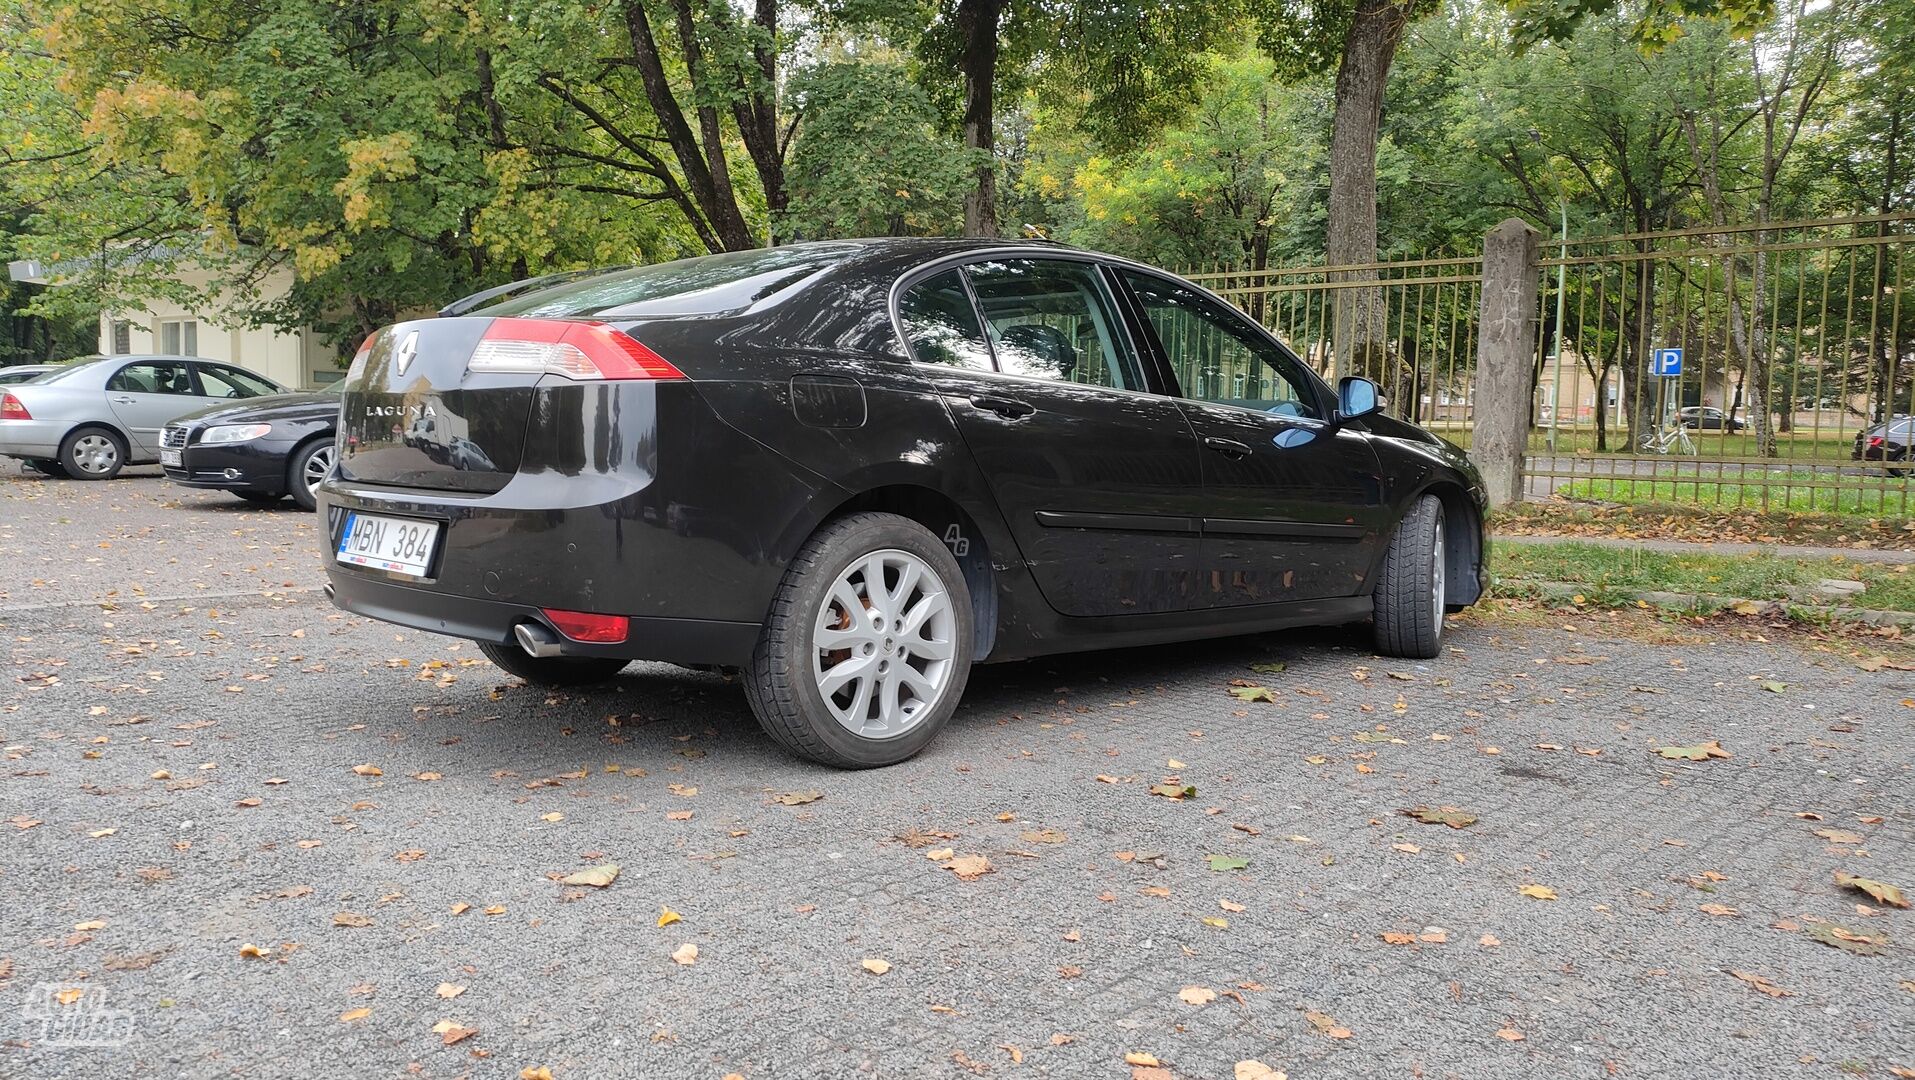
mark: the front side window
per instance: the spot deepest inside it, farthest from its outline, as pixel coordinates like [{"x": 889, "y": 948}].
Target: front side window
[
  {"x": 1216, "y": 357},
  {"x": 941, "y": 325},
  {"x": 233, "y": 383},
  {"x": 153, "y": 377},
  {"x": 1054, "y": 319}
]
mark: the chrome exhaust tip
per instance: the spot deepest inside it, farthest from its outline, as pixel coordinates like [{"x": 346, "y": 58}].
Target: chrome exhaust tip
[
  {"x": 536, "y": 640},
  {"x": 328, "y": 590}
]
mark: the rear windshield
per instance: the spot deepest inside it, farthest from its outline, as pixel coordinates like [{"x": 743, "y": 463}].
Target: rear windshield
[
  {"x": 708, "y": 285},
  {"x": 70, "y": 369}
]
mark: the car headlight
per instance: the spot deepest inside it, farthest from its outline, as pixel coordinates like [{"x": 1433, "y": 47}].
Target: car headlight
[{"x": 233, "y": 433}]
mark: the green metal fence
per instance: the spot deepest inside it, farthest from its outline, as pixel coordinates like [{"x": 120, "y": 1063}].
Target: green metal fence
[{"x": 1798, "y": 359}]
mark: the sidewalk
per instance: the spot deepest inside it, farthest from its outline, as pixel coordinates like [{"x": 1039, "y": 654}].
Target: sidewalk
[{"x": 1890, "y": 556}]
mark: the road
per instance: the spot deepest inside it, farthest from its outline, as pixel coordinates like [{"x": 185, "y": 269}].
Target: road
[{"x": 202, "y": 755}]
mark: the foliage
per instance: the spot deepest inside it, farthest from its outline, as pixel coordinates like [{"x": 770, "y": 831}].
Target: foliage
[{"x": 869, "y": 158}]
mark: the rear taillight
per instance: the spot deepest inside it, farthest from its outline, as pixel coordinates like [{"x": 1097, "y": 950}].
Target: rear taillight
[
  {"x": 12, "y": 409},
  {"x": 1874, "y": 440},
  {"x": 574, "y": 350},
  {"x": 587, "y": 627}
]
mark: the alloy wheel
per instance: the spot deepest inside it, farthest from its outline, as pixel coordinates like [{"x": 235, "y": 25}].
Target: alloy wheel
[
  {"x": 1437, "y": 561},
  {"x": 318, "y": 465},
  {"x": 882, "y": 644}
]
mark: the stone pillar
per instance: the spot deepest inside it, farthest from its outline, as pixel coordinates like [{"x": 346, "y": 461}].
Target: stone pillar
[{"x": 1505, "y": 358}]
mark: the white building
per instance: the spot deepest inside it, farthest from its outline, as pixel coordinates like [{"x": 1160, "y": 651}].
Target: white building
[{"x": 294, "y": 357}]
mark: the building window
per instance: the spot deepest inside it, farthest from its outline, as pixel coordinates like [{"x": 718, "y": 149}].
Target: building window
[
  {"x": 179, "y": 337},
  {"x": 122, "y": 337}
]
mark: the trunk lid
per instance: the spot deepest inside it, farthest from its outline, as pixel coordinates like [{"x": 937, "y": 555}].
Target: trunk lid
[{"x": 414, "y": 416}]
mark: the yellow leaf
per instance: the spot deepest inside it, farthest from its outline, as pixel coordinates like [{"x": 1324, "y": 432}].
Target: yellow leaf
[
  {"x": 495, "y": 909},
  {"x": 939, "y": 854},
  {"x": 1882, "y": 891},
  {"x": 449, "y": 990},
  {"x": 686, "y": 954},
  {"x": 1146, "y": 1060},
  {"x": 90, "y": 924},
  {"x": 368, "y": 770},
  {"x": 1252, "y": 1069},
  {"x": 666, "y": 916},
  {"x": 541, "y": 1072},
  {"x": 874, "y": 965},
  {"x": 350, "y": 918},
  {"x": 1510, "y": 1034},
  {"x": 354, "y": 1014},
  {"x": 553, "y": 816},
  {"x": 1538, "y": 892},
  {"x": 1230, "y": 905},
  {"x": 969, "y": 867},
  {"x": 1197, "y": 995},
  {"x": 461, "y": 908},
  {"x": 253, "y": 951},
  {"x": 68, "y": 996},
  {"x": 1327, "y": 1024},
  {"x": 597, "y": 877}
]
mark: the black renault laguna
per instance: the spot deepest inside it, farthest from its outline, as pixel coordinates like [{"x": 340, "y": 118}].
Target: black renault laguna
[{"x": 855, "y": 469}]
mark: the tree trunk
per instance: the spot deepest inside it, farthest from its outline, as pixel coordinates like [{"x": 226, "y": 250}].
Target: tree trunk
[
  {"x": 1376, "y": 29},
  {"x": 977, "y": 22}
]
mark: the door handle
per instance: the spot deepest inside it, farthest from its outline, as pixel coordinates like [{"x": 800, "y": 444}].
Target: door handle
[
  {"x": 124, "y": 400},
  {"x": 1228, "y": 447},
  {"x": 1008, "y": 408}
]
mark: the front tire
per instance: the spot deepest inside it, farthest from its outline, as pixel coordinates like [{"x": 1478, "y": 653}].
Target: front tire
[
  {"x": 553, "y": 670},
  {"x": 93, "y": 453},
  {"x": 1409, "y": 596},
  {"x": 309, "y": 465},
  {"x": 867, "y": 647}
]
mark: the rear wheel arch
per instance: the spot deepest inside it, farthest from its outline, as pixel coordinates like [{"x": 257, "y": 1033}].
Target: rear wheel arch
[{"x": 949, "y": 521}]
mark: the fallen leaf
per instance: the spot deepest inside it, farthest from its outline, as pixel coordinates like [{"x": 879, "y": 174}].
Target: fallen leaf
[
  {"x": 1538, "y": 892},
  {"x": 253, "y": 951},
  {"x": 495, "y": 909},
  {"x": 1510, "y": 1034},
  {"x": 686, "y": 954},
  {"x": 354, "y": 1014},
  {"x": 1408, "y": 849},
  {"x": 1489, "y": 941},
  {"x": 1230, "y": 905},
  {"x": 368, "y": 770},
  {"x": 1326, "y": 1024},
  {"x": 874, "y": 965},
  {"x": 541, "y": 1072},
  {"x": 1719, "y": 909},
  {"x": 1217, "y": 921},
  {"x": 940, "y": 854},
  {"x": 1882, "y": 891},
  {"x": 1173, "y": 791},
  {"x": 1762, "y": 984},
  {"x": 679, "y": 815},
  {"x": 461, "y": 908},
  {"x": 1774, "y": 687},
  {"x": 666, "y": 916},
  {"x": 350, "y": 918},
  {"x": 1197, "y": 995},
  {"x": 1252, "y": 1069},
  {"x": 449, "y": 990},
  {"x": 1700, "y": 752},
  {"x": 554, "y": 816},
  {"x": 1044, "y": 836},
  {"x": 797, "y": 798},
  {"x": 1227, "y": 862},
  {"x": 969, "y": 867},
  {"x": 1253, "y": 693},
  {"x": 1145, "y": 1060},
  {"x": 1839, "y": 836},
  {"x": 1848, "y": 940},
  {"x": 1395, "y": 937},
  {"x": 597, "y": 877},
  {"x": 1447, "y": 815}
]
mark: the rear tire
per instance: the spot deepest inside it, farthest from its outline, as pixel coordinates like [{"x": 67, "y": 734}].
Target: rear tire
[
  {"x": 1409, "y": 596},
  {"x": 553, "y": 670},
  {"x": 831, "y": 654},
  {"x": 93, "y": 453}
]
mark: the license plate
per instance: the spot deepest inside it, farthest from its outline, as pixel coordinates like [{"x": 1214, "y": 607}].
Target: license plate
[
  {"x": 169, "y": 457},
  {"x": 400, "y": 545}
]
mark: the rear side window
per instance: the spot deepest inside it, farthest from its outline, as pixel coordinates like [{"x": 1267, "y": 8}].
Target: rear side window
[
  {"x": 708, "y": 285},
  {"x": 941, "y": 325},
  {"x": 233, "y": 383}
]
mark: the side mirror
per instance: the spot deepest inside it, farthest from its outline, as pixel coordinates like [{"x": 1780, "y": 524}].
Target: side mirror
[{"x": 1356, "y": 398}]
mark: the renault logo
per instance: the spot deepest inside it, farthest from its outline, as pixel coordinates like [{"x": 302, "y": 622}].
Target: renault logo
[{"x": 403, "y": 354}]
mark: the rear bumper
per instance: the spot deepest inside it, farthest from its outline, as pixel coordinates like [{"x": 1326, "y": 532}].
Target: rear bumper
[
  {"x": 678, "y": 641},
  {"x": 32, "y": 438}
]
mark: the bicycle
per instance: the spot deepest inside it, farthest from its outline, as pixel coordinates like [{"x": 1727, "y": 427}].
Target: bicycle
[{"x": 1663, "y": 440}]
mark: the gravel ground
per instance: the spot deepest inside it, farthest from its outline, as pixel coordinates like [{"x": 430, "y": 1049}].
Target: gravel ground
[{"x": 187, "y": 725}]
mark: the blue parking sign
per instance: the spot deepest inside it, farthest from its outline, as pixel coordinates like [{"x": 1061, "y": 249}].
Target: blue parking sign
[{"x": 1668, "y": 364}]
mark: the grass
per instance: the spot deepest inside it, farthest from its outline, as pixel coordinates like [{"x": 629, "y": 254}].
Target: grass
[
  {"x": 1613, "y": 573},
  {"x": 1703, "y": 523},
  {"x": 1882, "y": 497},
  {"x": 1797, "y": 446}
]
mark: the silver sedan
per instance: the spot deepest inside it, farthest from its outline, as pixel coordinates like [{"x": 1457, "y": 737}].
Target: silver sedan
[{"x": 92, "y": 418}]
